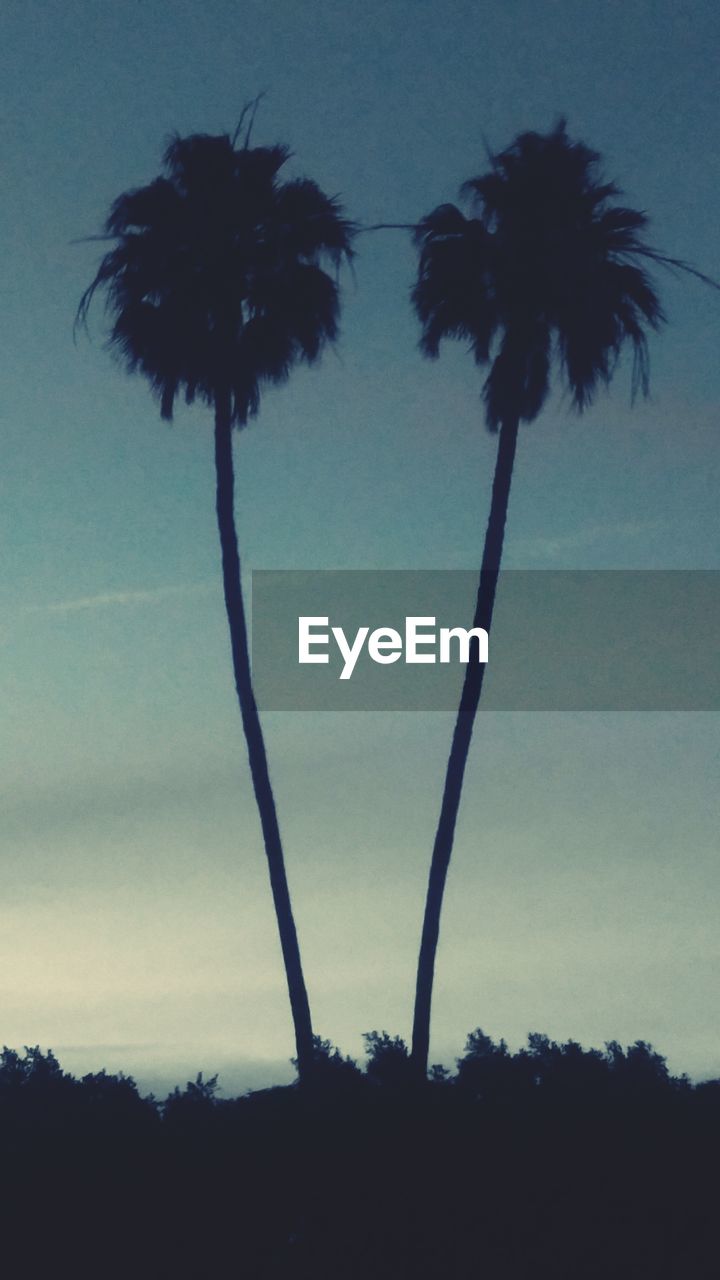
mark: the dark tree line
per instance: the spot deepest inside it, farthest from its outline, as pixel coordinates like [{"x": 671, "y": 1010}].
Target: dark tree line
[{"x": 550, "y": 1161}]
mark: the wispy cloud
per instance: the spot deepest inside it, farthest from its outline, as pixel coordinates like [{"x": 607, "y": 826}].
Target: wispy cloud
[
  {"x": 592, "y": 535},
  {"x": 115, "y": 599}
]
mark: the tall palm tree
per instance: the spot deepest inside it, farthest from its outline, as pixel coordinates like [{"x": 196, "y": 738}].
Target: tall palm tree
[
  {"x": 547, "y": 273},
  {"x": 217, "y": 288}
]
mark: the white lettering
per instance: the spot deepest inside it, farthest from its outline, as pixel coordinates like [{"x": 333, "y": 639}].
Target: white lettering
[
  {"x": 385, "y": 650},
  {"x": 305, "y": 639},
  {"x": 463, "y": 637},
  {"x": 413, "y": 638},
  {"x": 350, "y": 655}
]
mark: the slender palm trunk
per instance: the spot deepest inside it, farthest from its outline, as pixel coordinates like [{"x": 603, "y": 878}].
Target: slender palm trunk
[
  {"x": 254, "y": 737},
  {"x": 472, "y": 688}
]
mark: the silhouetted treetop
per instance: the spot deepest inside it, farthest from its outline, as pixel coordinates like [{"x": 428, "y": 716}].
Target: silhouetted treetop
[
  {"x": 217, "y": 281},
  {"x": 549, "y": 265},
  {"x": 388, "y": 1061}
]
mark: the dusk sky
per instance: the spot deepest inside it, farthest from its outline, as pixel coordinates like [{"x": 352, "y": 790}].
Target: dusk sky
[{"x": 136, "y": 923}]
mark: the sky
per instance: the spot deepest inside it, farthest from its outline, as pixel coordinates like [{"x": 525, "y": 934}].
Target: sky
[{"x": 136, "y": 926}]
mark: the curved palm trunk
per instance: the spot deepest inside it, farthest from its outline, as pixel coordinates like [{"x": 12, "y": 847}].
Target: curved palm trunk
[
  {"x": 254, "y": 737},
  {"x": 472, "y": 688}
]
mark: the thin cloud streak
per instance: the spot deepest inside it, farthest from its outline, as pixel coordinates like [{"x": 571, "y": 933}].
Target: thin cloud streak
[
  {"x": 107, "y": 599},
  {"x": 593, "y": 535}
]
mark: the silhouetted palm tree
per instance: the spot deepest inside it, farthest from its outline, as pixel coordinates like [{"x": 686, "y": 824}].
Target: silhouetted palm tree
[
  {"x": 216, "y": 289},
  {"x": 548, "y": 272}
]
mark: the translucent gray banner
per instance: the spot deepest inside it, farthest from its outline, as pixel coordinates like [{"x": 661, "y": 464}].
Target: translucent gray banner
[{"x": 561, "y": 640}]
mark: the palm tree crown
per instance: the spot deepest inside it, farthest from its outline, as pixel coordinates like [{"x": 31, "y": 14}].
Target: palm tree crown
[
  {"x": 216, "y": 284},
  {"x": 548, "y": 268}
]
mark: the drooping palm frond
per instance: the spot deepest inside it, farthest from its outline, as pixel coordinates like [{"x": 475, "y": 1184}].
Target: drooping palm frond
[
  {"x": 454, "y": 294},
  {"x": 547, "y": 267},
  {"x": 216, "y": 281}
]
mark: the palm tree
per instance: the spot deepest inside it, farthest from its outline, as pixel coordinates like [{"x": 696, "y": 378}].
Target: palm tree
[
  {"x": 548, "y": 272},
  {"x": 216, "y": 287}
]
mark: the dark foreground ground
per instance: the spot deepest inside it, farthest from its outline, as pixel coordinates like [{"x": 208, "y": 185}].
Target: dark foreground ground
[{"x": 553, "y": 1162}]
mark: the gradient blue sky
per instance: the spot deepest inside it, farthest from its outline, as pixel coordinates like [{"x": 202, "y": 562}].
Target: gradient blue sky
[{"x": 136, "y": 929}]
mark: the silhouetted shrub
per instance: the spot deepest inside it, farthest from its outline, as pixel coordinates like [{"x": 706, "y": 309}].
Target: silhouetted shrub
[
  {"x": 331, "y": 1070},
  {"x": 388, "y": 1060}
]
